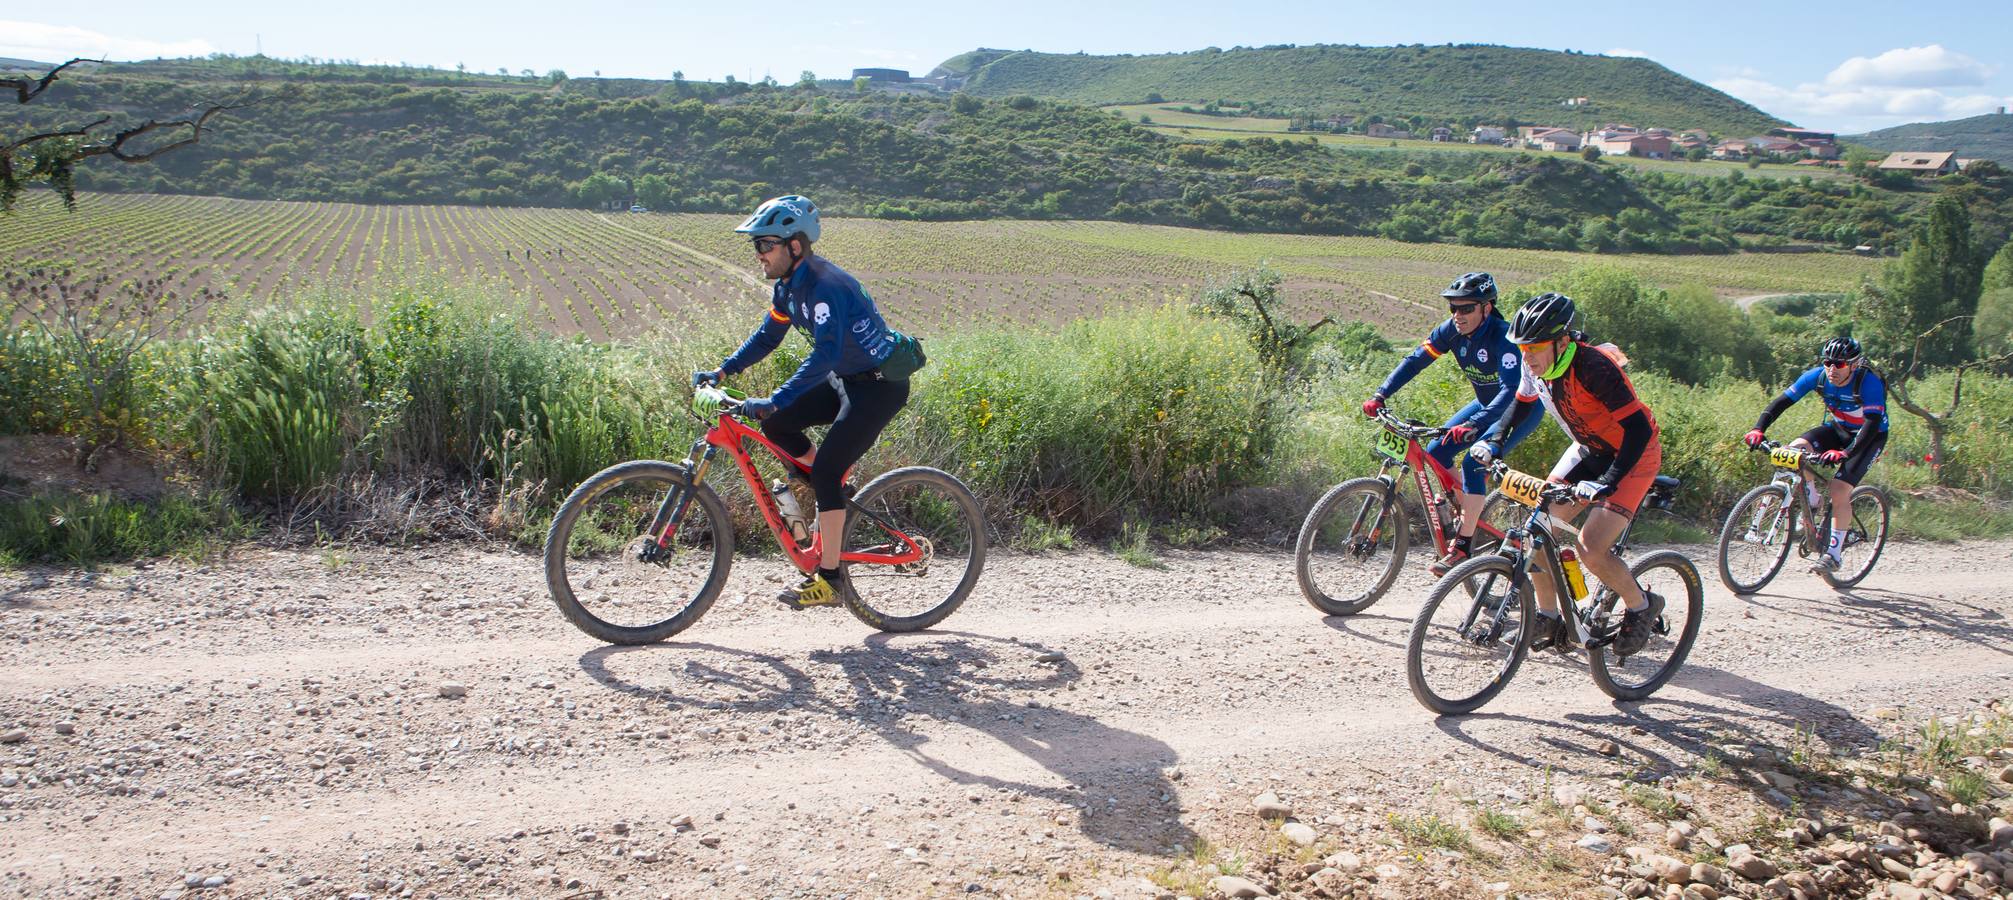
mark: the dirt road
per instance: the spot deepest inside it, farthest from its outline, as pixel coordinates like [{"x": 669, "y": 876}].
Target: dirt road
[{"x": 386, "y": 723}]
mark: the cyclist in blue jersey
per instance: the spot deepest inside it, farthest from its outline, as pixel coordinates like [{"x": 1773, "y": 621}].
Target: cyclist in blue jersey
[
  {"x": 839, "y": 384},
  {"x": 1477, "y": 336},
  {"x": 1854, "y": 430}
]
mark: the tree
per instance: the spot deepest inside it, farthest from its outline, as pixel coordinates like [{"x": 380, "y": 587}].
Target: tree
[
  {"x": 52, "y": 156},
  {"x": 807, "y": 79},
  {"x": 556, "y": 76},
  {"x": 860, "y": 83},
  {"x": 1903, "y": 385},
  {"x": 1928, "y": 296},
  {"x": 601, "y": 190},
  {"x": 1993, "y": 330},
  {"x": 1591, "y": 153},
  {"x": 656, "y": 192}
]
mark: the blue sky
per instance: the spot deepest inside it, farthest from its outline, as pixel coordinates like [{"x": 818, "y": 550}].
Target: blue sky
[{"x": 1847, "y": 66}]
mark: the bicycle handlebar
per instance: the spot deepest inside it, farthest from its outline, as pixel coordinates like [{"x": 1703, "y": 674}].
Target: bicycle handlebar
[
  {"x": 1809, "y": 456},
  {"x": 1552, "y": 493},
  {"x": 1415, "y": 430}
]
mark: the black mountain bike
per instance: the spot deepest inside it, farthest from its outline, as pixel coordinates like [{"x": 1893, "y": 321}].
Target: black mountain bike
[{"x": 1471, "y": 634}]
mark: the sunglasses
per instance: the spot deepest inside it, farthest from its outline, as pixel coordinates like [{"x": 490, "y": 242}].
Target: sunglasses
[
  {"x": 1527, "y": 348},
  {"x": 1462, "y": 309},
  {"x": 766, "y": 244},
  {"x": 1838, "y": 363}
]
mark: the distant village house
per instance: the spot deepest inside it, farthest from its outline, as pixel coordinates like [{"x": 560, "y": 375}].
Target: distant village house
[
  {"x": 1556, "y": 140},
  {"x": 1916, "y": 162},
  {"x": 1381, "y": 130},
  {"x": 1443, "y": 134},
  {"x": 1486, "y": 134}
]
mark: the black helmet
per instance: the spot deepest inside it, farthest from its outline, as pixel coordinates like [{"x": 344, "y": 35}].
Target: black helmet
[
  {"x": 1472, "y": 286},
  {"x": 1840, "y": 349},
  {"x": 1542, "y": 318}
]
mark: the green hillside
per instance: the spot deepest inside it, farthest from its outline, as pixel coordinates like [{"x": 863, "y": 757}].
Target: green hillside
[
  {"x": 1982, "y": 137},
  {"x": 386, "y": 134},
  {"x": 1454, "y": 83}
]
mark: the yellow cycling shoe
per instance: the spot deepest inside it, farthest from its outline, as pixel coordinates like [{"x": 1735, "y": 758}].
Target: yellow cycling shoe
[{"x": 814, "y": 590}]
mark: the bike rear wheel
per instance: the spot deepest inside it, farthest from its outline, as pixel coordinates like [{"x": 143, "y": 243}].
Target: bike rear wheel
[
  {"x": 595, "y": 565},
  {"x": 1865, "y": 537},
  {"x": 1470, "y": 635},
  {"x": 1672, "y": 577},
  {"x": 936, "y": 511},
  {"x": 1351, "y": 546},
  {"x": 1756, "y": 538}
]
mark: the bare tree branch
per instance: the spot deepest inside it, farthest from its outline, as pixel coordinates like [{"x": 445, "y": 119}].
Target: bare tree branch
[
  {"x": 52, "y": 156},
  {"x": 116, "y": 146},
  {"x": 28, "y": 88}
]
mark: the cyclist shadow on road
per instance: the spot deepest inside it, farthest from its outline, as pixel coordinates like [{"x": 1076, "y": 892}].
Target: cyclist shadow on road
[
  {"x": 1880, "y": 609},
  {"x": 905, "y": 688},
  {"x": 1758, "y": 728}
]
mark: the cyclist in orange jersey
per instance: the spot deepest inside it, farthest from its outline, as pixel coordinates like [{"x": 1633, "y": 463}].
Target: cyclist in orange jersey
[{"x": 1611, "y": 465}]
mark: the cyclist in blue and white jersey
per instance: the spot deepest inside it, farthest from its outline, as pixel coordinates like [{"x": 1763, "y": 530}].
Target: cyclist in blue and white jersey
[{"x": 1854, "y": 430}]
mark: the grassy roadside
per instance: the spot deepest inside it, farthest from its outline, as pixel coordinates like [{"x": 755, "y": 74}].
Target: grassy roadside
[{"x": 1148, "y": 426}]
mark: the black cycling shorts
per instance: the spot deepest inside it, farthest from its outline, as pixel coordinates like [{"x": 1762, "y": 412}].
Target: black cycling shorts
[
  {"x": 1831, "y": 437},
  {"x": 857, "y": 412}
]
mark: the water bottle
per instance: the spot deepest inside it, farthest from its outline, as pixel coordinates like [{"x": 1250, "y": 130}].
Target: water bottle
[
  {"x": 1575, "y": 579},
  {"x": 786, "y": 500}
]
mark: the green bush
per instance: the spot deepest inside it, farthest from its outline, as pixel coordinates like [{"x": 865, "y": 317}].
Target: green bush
[
  {"x": 1149, "y": 413},
  {"x": 83, "y": 529}
]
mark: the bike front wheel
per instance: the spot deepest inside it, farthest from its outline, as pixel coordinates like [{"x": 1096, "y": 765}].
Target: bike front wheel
[
  {"x": 938, "y": 513},
  {"x": 1672, "y": 577},
  {"x": 1351, "y": 546},
  {"x": 1501, "y": 514},
  {"x": 1755, "y": 539},
  {"x": 611, "y": 577},
  {"x": 1470, "y": 635},
  {"x": 1865, "y": 537}
]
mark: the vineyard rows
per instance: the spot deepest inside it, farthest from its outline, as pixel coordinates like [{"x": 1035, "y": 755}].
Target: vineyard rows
[{"x": 610, "y": 275}]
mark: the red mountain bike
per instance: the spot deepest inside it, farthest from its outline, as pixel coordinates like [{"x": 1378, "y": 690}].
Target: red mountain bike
[
  {"x": 640, "y": 550},
  {"x": 1353, "y": 542}
]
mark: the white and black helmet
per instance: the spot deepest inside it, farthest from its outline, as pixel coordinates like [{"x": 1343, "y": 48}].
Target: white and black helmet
[{"x": 1542, "y": 318}]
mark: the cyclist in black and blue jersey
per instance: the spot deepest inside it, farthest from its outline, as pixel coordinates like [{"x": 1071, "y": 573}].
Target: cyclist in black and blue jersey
[
  {"x": 840, "y": 383},
  {"x": 1854, "y": 430},
  {"x": 1476, "y": 334}
]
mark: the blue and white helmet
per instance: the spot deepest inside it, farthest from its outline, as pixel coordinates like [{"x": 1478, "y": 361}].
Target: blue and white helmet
[{"x": 783, "y": 217}]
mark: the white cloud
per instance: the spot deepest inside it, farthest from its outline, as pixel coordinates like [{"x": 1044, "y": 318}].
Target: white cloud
[
  {"x": 1907, "y": 84},
  {"x": 1624, "y": 51},
  {"x": 1918, "y": 67},
  {"x": 55, "y": 43},
  {"x": 1859, "y": 108}
]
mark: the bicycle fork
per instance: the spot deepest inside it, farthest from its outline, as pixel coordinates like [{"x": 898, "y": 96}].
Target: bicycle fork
[{"x": 677, "y": 501}]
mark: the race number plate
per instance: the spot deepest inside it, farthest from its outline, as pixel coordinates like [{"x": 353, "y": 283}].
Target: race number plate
[
  {"x": 1786, "y": 458},
  {"x": 1390, "y": 445},
  {"x": 1523, "y": 488}
]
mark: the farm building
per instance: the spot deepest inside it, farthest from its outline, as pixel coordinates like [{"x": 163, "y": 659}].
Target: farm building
[
  {"x": 1381, "y": 130},
  {"x": 1917, "y": 162},
  {"x": 883, "y": 76},
  {"x": 1733, "y": 151},
  {"x": 1443, "y": 134},
  {"x": 1486, "y": 134}
]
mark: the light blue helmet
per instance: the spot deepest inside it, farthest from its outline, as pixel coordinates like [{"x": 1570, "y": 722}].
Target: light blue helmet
[{"x": 783, "y": 217}]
